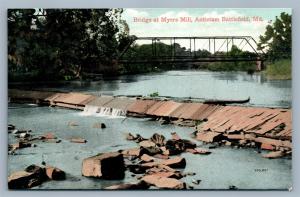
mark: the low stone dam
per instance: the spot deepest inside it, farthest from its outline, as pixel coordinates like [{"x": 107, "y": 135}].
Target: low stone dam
[{"x": 270, "y": 128}]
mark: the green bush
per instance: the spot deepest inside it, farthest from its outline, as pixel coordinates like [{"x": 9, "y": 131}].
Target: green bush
[{"x": 281, "y": 69}]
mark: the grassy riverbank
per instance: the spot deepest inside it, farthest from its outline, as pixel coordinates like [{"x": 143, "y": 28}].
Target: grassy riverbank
[{"x": 281, "y": 69}]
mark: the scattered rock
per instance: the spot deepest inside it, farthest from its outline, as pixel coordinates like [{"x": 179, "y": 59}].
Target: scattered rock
[
  {"x": 105, "y": 165},
  {"x": 147, "y": 158},
  {"x": 55, "y": 173},
  {"x": 178, "y": 146},
  {"x": 158, "y": 139},
  {"x": 213, "y": 146},
  {"x": 147, "y": 143},
  {"x": 129, "y": 186},
  {"x": 232, "y": 187},
  {"x": 131, "y": 152},
  {"x": 274, "y": 155},
  {"x": 48, "y": 136},
  {"x": 19, "y": 145},
  {"x": 163, "y": 182},
  {"x": 136, "y": 168},
  {"x": 153, "y": 150},
  {"x": 175, "y": 162},
  {"x": 11, "y": 127},
  {"x": 78, "y": 140},
  {"x": 167, "y": 174},
  {"x": 22, "y": 180},
  {"x": 265, "y": 146},
  {"x": 130, "y": 137},
  {"x": 209, "y": 136},
  {"x": 189, "y": 174},
  {"x": 139, "y": 138},
  {"x": 72, "y": 124},
  {"x": 198, "y": 151},
  {"x": 99, "y": 125},
  {"x": 160, "y": 156},
  {"x": 227, "y": 143},
  {"x": 196, "y": 182},
  {"x": 32, "y": 176},
  {"x": 52, "y": 141},
  {"x": 103, "y": 126},
  {"x": 243, "y": 142},
  {"x": 165, "y": 151},
  {"x": 23, "y": 135}
]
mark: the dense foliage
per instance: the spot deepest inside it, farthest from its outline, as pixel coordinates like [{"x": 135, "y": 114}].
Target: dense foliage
[
  {"x": 64, "y": 43},
  {"x": 277, "y": 39}
]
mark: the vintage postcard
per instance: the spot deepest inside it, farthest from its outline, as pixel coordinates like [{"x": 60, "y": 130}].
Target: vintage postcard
[{"x": 150, "y": 99}]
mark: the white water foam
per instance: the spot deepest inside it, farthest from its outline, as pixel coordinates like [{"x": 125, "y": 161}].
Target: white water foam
[{"x": 90, "y": 110}]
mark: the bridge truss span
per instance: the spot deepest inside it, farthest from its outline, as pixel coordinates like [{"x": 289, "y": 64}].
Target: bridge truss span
[{"x": 192, "y": 49}]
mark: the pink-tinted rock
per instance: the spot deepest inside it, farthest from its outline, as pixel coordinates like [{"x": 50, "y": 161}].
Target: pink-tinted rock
[
  {"x": 106, "y": 166},
  {"x": 164, "y": 182},
  {"x": 78, "y": 140},
  {"x": 274, "y": 155},
  {"x": 55, "y": 173},
  {"x": 265, "y": 146}
]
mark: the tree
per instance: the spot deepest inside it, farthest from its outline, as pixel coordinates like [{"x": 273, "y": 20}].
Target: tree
[
  {"x": 64, "y": 42},
  {"x": 277, "y": 39}
]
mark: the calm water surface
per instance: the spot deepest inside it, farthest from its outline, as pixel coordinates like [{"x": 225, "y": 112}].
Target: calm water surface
[{"x": 199, "y": 84}]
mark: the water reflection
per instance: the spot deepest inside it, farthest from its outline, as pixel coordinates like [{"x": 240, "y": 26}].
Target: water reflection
[{"x": 189, "y": 83}]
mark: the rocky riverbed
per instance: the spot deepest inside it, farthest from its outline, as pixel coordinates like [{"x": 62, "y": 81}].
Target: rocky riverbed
[{"x": 171, "y": 158}]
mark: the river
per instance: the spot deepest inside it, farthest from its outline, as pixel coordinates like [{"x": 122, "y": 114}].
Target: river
[
  {"x": 199, "y": 84},
  {"x": 226, "y": 166}
]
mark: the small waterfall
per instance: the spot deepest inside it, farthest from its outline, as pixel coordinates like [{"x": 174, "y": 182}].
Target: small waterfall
[
  {"x": 90, "y": 110},
  {"x": 105, "y": 111},
  {"x": 118, "y": 112}
]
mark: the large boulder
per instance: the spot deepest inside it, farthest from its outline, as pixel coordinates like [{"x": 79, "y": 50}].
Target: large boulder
[
  {"x": 22, "y": 180},
  {"x": 105, "y": 165},
  {"x": 32, "y": 176}
]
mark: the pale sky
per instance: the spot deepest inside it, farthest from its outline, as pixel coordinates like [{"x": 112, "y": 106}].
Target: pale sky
[{"x": 160, "y": 28}]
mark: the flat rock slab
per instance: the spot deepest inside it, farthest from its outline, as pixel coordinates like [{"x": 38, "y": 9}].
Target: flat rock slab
[
  {"x": 209, "y": 136},
  {"x": 274, "y": 155},
  {"x": 106, "y": 166},
  {"x": 78, "y": 140},
  {"x": 175, "y": 162},
  {"x": 164, "y": 182},
  {"x": 21, "y": 180}
]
